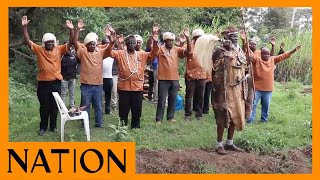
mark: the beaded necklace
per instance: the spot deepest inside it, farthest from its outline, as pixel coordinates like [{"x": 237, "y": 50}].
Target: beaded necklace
[{"x": 135, "y": 65}]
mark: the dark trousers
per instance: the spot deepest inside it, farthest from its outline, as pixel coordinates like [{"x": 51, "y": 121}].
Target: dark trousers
[
  {"x": 165, "y": 87},
  {"x": 107, "y": 88},
  {"x": 130, "y": 100},
  {"x": 48, "y": 107},
  {"x": 206, "y": 98},
  {"x": 194, "y": 89},
  {"x": 151, "y": 85}
]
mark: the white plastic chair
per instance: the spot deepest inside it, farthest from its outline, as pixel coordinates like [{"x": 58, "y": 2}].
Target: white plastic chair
[{"x": 66, "y": 117}]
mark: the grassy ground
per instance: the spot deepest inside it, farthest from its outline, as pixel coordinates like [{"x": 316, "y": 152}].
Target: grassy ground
[{"x": 289, "y": 125}]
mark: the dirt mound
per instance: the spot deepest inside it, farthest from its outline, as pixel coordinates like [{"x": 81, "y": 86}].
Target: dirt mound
[
  {"x": 306, "y": 91},
  {"x": 208, "y": 161}
]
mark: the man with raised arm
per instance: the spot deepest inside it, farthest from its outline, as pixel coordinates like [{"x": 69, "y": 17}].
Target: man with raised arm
[
  {"x": 131, "y": 65},
  {"x": 49, "y": 75},
  {"x": 91, "y": 57}
]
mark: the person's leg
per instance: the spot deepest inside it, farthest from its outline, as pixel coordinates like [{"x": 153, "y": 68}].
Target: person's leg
[
  {"x": 97, "y": 104},
  {"x": 257, "y": 97},
  {"x": 163, "y": 90},
  {"x": 220, "y": 130},
  {"x": 86, "y": 96},
  {"x": 172, "y": 97},
  {"x": 124, "y": 106},
  {"x": 107, "y": 94},
  {"x": 53, "y": 108},
  {"x": 229, "y": 143},
  {"x": 72, "y": 87},
  {"x": 190, "y": 89},
  {"x": 195, "y": 101},
  {"x": 136, "y": 108},
  {"x": 200, "y": 87},
  {"x": 151, "y": 83},
  {"x": 105, "y": 89},
  {"x": 114, "y": 93},
  {"x": 64, "y": 88},
  {"x": 265, "y": 105},
  {"x": 44, "y": 106},
  {"x": 155, "y": 91},
  {"x": 206, "y": 98}
]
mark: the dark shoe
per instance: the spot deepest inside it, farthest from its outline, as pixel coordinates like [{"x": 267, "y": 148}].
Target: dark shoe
[
  {"x": 249, "y": 122},
  {"x": 232, "y": 148},
  {"x": 109, "y": 113},
  {"x": 41, "y": 132},
  {"x": 220, "y": 150},
  {"x": 98, "y": 126},
  {"x": 205, "y": 112},
  {"x": 54, "y": 130},
  {"x": 263, "y": 121},
  {"x": 187, "y": 118}
]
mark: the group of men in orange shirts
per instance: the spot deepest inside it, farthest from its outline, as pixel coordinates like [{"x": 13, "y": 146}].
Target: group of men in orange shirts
[{"x": 228, "y": 71}]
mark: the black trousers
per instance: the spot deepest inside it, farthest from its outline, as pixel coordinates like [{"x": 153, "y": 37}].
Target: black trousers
[
  {"x": 48, "y": 107},
  {"x": 194, "y": 89},
  {"x": 151, "y": 85},
  {"x": 170, "y": 88},
  {"x": 130, "y": 100},
  {"x": 206, "y": 99},
  {"x": 107, "y": 88}
]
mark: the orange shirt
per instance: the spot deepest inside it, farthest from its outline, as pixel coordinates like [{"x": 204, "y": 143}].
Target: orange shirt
[
  {"x": 131, "y": 68},
  {"x": 168, "y": 62},
  {"x": 91, "y": 65},
  {"x": 49, "y": 62},
  {"x": 194, "y": 70},
  {"x": 263, "y": 71}
]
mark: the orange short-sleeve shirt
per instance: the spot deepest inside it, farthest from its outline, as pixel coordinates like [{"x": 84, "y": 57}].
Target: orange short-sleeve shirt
[
  {"x": 91, "y": 65},
  {"x": 168, "y": 62},
  {"x": 49, "y": 62}
]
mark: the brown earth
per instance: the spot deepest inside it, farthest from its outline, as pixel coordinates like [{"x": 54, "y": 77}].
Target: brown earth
[
  {"x": 194, "y": 161},
  {"x": 306, "y": 91}
]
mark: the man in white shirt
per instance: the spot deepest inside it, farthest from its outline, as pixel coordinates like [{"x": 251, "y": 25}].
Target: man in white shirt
[{"x": 107, "y": 78}]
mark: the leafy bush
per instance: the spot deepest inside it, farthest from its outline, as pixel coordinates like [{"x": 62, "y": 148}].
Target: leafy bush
[{"x": 120, "y": 132}]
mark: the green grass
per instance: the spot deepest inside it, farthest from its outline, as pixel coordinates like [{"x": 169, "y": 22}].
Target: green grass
[{"x": 289, "y": 125}]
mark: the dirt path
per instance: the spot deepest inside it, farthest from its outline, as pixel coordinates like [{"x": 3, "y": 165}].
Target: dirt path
[{"x": 207, "y": 161}]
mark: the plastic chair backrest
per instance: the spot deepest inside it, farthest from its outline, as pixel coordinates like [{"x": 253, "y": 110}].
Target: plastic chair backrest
[{"x": 61, "y": 106}]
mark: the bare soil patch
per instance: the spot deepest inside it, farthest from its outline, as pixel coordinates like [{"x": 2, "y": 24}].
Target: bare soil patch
[{"x": 194, "y": 161}]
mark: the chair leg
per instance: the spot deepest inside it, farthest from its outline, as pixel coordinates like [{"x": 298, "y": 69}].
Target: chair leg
[
  {"x": 86, "y": 126},
  {"x": 62, "y": 129}
]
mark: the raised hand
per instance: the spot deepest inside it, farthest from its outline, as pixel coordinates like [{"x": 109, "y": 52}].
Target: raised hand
[
  {"x": 186, "y": 32},
  {"x": 107, "y": 32},
  {"x": 113, "y": 35},
  {"x": 24, "y": 21},
  {"x": 242, "y": 35},
  {"x": 120, "y": 38},
  {"x": 69, "y": 24},
  {"x": 81, "y": 25},
  {"x": 273, "y": 41},
  {"x": 155, "y": 29}
]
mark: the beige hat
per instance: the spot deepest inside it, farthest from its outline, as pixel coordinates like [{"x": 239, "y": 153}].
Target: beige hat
[
  {"x": 49, "y": 37},
  {"x": 197, "y": 32},
  {"x": 90, "y": 37},
  {"x": 168, "y": 35},
  {"x": 138, "y": 38}
]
